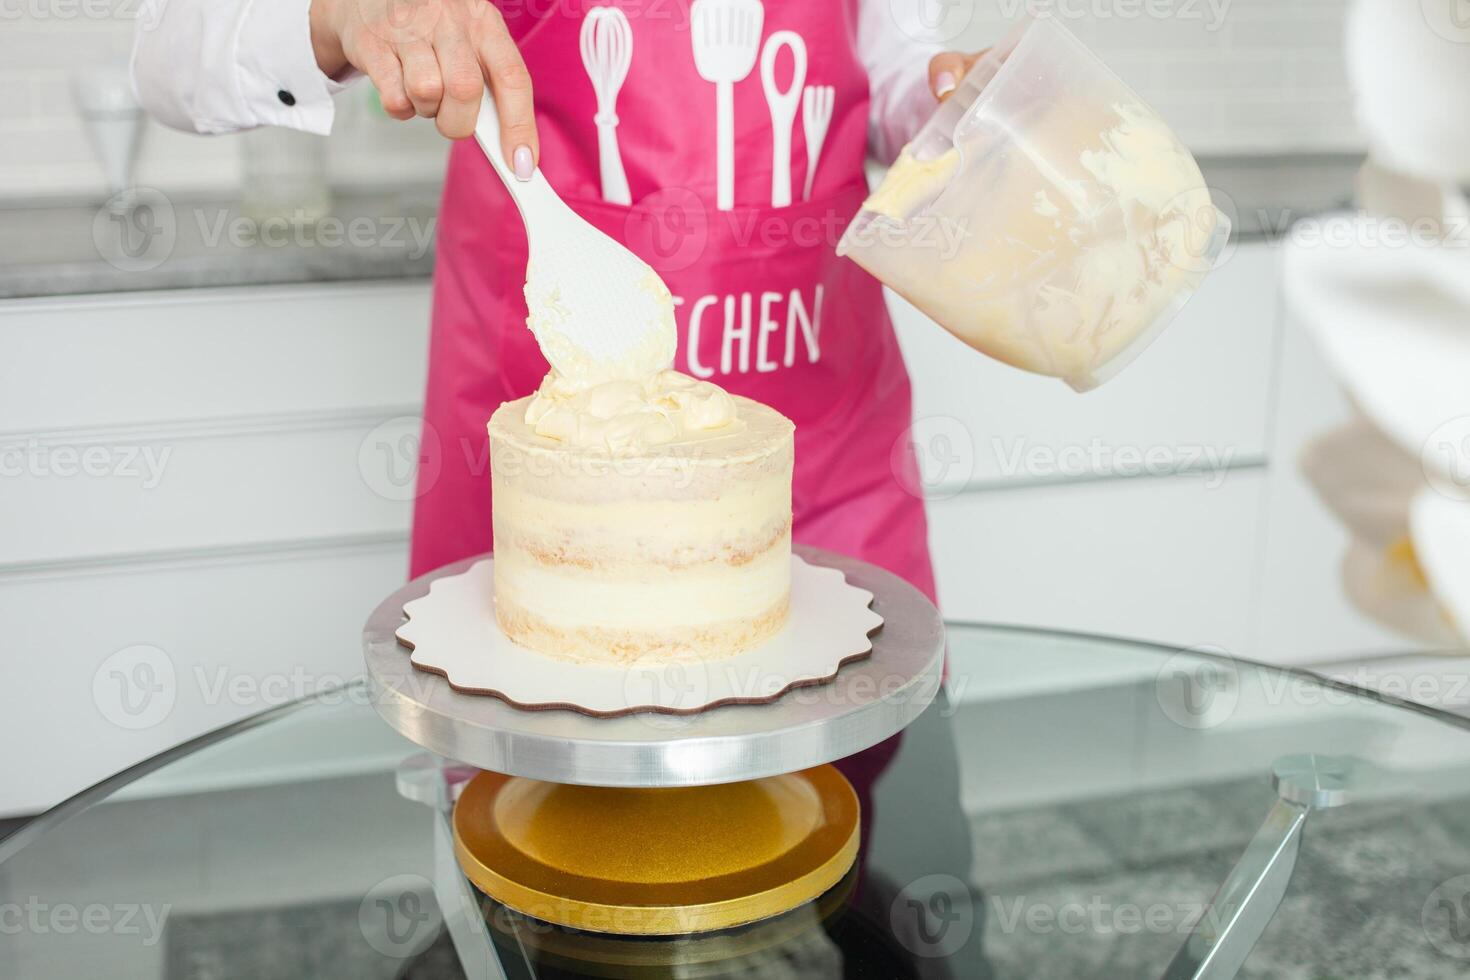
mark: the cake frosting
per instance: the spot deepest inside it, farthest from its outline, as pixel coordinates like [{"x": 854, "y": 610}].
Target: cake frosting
[
  {"x": 640, "y": 515},
  {"x": 650, "y": 315},
  {"x": 630, "y": 415}
]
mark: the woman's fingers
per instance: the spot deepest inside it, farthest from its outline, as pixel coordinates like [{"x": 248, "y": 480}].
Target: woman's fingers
[
  {"x": 946, "y": 69},
  {"x": 381, "y": 65},
  {"x": 510, "y": 83},
  {"x": 437, "y": 63},
  {"x": 421, "y": 77},
  {"x": 459, "y": 68}
]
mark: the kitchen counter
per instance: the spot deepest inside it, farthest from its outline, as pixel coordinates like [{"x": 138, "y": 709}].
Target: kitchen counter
[
  {"x": 72, "y": 249},
  {"x": 78, "y": 248}
]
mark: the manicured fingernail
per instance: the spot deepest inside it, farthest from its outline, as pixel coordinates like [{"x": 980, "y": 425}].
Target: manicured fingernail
[
  {"x": 944, "y": 84},
  {"x": 521, "y": 161}
]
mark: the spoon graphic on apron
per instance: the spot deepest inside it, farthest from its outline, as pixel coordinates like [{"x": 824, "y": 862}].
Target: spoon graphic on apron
[{"x": 782, "y": 105}]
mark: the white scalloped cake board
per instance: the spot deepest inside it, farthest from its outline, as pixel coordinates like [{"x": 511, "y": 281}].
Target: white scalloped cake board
[{"x": 452, "y": 631}]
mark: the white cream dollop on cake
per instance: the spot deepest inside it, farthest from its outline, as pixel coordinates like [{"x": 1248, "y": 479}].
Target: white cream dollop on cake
[{"x": 640, "y": 519}]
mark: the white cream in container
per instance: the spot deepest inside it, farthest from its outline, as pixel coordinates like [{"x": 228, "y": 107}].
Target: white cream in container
[{"x": 1044, "y": 215}]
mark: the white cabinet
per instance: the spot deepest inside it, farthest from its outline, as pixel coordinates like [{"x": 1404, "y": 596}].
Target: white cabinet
[
  {"x": 1199, "y": 393},
  {"x": 198, "y": 515}
]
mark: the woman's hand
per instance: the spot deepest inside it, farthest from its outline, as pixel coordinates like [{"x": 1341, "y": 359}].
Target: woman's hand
[
  {"x": 947, "y": 68},
  {"x": 432, "y": 58}
]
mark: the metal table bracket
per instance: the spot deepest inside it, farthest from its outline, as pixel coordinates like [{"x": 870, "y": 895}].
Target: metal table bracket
[
  {"x": 1241, "y": 910},
  {"x": 426, "y": 779}
]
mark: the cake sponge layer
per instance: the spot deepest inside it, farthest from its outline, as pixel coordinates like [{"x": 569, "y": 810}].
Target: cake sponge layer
[{"x": 681, "y": 551}]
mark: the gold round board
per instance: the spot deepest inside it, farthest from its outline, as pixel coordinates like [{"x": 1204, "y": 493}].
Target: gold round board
[
  {"x": 692, "y": 955},
  {"x": 656, "y": 862}
]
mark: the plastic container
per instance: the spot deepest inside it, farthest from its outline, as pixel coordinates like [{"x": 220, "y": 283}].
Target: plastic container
[{"x": 1044, "y": 215}]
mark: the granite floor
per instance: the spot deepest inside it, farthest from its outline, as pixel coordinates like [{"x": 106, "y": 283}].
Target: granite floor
[{"x": 1356, "y": 907}]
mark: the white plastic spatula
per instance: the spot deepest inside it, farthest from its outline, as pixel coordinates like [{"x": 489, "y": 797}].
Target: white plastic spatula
[{"x": 597, "y": 310}]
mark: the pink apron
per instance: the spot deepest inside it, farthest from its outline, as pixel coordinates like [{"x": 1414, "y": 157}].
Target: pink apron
[{"x": 766, "y": 309}]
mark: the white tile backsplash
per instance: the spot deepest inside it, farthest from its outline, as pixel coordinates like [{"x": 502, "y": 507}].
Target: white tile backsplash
[{"x": 1232, "y": 76}]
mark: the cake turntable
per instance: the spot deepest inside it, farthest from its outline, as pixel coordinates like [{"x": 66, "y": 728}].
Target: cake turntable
[{"x": 649, "y": 824}]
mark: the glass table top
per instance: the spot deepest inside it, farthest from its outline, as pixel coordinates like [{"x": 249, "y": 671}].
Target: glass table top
[{"x": 1075, "y": 807}]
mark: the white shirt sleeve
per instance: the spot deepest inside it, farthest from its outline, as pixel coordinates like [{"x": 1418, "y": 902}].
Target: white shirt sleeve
[
  {"x": 217, "y": 66},
  {"x": 891, "y": 46}
]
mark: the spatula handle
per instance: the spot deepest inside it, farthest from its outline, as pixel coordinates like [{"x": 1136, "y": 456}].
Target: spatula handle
[{"x": 534, "y": 196}]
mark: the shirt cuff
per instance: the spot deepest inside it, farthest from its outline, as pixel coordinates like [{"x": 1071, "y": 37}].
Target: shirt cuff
[{"x": 279, "y": 81}]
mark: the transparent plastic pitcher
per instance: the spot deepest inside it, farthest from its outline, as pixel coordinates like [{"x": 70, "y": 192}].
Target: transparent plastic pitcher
[{"x": 1044, "y": 215}]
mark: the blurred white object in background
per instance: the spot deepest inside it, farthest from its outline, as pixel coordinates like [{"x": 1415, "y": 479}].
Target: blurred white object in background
[
  {"x": 1386, "y": 292},
  {"x": 1369, "y": 483},
  {"x": 1409, "y": 66},
  {"x": 114, "y": 120},
  {"x": 1390, "y": 310}
]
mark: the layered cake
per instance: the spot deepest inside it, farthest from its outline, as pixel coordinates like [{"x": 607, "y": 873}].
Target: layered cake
[{"x": 640, "y": 520}]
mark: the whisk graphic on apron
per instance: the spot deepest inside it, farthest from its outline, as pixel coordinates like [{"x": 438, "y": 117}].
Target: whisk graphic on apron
[{"x": 607, "y": 51}]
